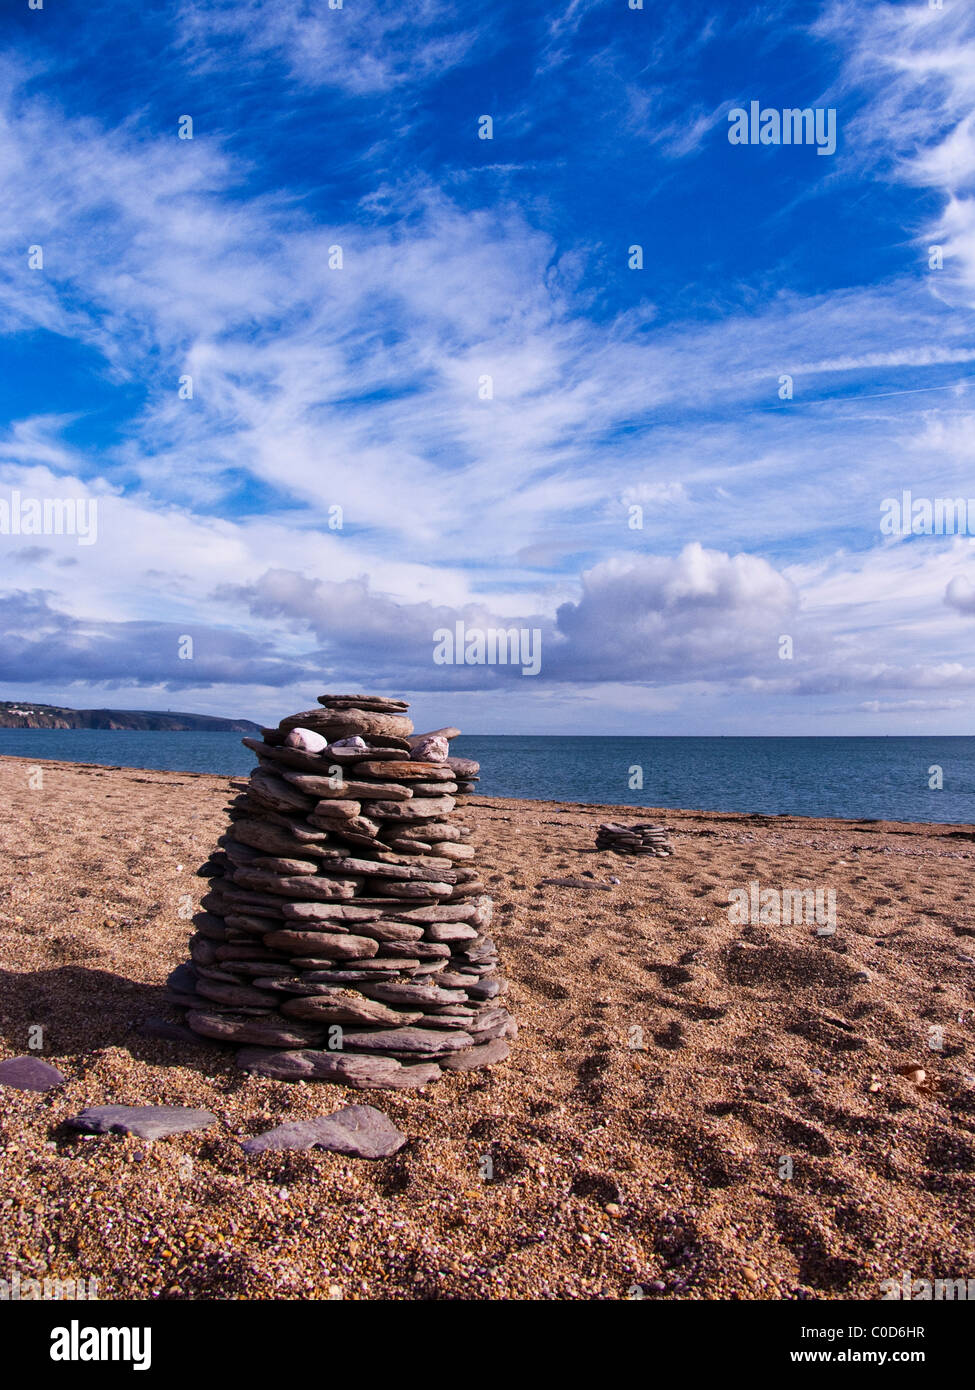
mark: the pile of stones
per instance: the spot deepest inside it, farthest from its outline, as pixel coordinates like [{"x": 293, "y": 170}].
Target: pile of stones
[
  {"x": 634, "y": 839},
  {"x": 344, "y": 936}
]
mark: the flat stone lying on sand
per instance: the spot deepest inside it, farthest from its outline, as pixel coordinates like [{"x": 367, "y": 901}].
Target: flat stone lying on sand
[
  {"x": 144, "y": 1121},
  {"x": 30, "y": 1074},
  {"x": 368, "y": 1073},
  {"x": 484, "y": 1056},
  {"x": 359, "y": 1131}
]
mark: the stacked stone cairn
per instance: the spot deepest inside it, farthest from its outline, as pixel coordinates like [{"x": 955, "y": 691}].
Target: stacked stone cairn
[
  {"x": 345, "y": 934},
  {"x": 634, "y": 839}
]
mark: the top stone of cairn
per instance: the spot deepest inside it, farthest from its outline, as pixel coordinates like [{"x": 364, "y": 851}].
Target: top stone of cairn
[
  {"x": 378, "y": 704},
  {"x": 344, "y": 716}
]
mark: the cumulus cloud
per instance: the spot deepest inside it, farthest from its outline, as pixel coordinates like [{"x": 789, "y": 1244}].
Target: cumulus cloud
[{"x": 40, "y": 642}]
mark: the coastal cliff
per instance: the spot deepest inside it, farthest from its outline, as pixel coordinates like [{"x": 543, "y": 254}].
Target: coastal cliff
[{"x": 26, "y": 714}]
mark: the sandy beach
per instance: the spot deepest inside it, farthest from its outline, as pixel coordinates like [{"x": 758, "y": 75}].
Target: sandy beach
[{"x": 695, "y": 1108}]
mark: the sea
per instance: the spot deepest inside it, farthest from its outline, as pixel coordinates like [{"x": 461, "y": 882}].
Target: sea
[{"x": 897, "y": 778}]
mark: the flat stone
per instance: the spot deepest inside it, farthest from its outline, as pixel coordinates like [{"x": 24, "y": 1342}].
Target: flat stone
[
  {"x": 424, "y": 950},
  {"x": 317, "y": 889},
  {"x": 417, "y": 995},
  {"x": 335, "y": 810},
  {"x": 412, "y": 770},
  {"x": 431, "y": 833},
  {"x": 483, "y": 1056},
  {"x": 455, "y": 853},
  {"x": 463, "y": 767},
  {"x": 448, "y": 732},
  {"x": 470, "y": 912},
  {"x": 416, "y": 809},
  {"x": 493, "y": 1023},
  {"x": 382, "y": 704},
  {"x": 365, "y": 969},
  {"x": 408, "y": 1040},
  {"x": 391, "y": 931},
  {"x": 348, "y": 975},
  {"x": 328, "y": 945},
  {"x": 210, "y": 926},
  {"x": 144, "y": 1121},
  {"x": 349, "y": 722},
  {"x": 233, "y": 993},
  {"x": 358, "y": 1131},
  {"x": 348, "y": 755},
  {"x": 253, "y": 926},
  {"x": 283, "y": 867},
  {"x": 325, "y": 789},
  {"x": 30, "y": 1074},
  {"x": 403, "y": 873},
  {"x": 365, "y": 1073},
  {"x": 328, "y": 912},
  {"x": 360, "y": 831},
  {"x": 422, "y": 889},
  {"x": 344, "y": 1006},
  {"x": 263, "y": 1032},
  {"x": 451, "y": 931},
  {"x": 488, "y": 988},
  {"x": 275, "y": 792}
]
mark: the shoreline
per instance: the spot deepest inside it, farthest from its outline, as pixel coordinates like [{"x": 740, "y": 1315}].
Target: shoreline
[{"x": 960, "y": 829}]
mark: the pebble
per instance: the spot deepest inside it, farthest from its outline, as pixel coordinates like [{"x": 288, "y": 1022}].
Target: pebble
[
  {"x": 30, "y": 1074},
  {"x": 360, "y": 1131},
  {"x": 144, "y": 1121}
]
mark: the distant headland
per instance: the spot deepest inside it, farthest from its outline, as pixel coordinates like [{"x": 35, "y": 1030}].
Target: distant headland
[{"x": 26, "y": 714}]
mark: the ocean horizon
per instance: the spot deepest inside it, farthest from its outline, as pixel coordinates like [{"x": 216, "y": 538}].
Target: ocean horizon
[{"x": 926, "y": 778}]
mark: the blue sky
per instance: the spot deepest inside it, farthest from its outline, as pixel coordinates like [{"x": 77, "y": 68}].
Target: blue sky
[{"x": 613, "y": 388}]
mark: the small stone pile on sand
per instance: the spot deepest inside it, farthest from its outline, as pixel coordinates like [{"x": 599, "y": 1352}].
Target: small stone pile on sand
[
  {"x": 344, "y": 937},
  {"x": 634, "y": 839}
]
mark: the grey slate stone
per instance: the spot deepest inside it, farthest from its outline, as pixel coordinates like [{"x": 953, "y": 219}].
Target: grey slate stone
[
  {"x": 29, "y": 1074},
  {"x": 144, "y": 1121},
  {"x": 360, "y": 1131}
]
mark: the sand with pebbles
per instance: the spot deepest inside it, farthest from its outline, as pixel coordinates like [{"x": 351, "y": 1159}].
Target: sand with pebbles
[{"x": 695, "y": 1108}]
